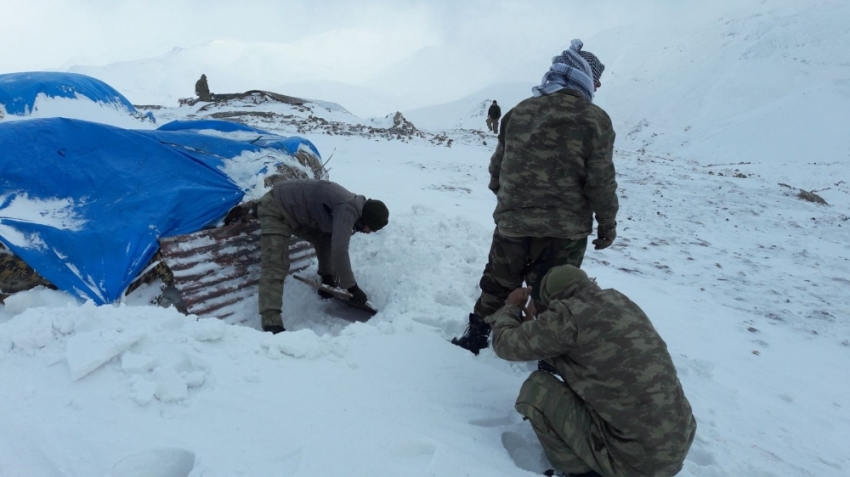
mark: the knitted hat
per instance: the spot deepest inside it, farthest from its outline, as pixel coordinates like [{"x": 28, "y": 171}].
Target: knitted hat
[
  {"x": 596, "y": 66},
  {"x": 375, "y": 214},
  {"x": 558, "y": 279}
]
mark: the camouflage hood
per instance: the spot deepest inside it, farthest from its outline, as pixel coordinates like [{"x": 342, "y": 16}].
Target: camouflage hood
[{"x": 562, "y": 283}]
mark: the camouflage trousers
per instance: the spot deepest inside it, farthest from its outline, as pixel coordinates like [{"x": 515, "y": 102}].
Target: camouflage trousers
[
  {"x": 565, "y": 427},
  {"x": 493, "y": 124},
  {"x": 517, "y": 259},
  {"x": 275, "y": 236}
]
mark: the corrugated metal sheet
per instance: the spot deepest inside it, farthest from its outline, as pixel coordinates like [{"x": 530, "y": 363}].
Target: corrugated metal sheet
[{"x": 215, "y": 269}]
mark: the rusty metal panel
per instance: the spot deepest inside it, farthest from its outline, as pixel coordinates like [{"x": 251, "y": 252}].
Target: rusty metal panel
[{"x": 215, "y": 269}]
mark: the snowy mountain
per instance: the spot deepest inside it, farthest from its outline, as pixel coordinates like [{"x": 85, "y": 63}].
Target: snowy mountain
[
  {"x": 766, "y": 88},
  {"x": 234, "y": 66},
  {"x": 728, "y": 130}
]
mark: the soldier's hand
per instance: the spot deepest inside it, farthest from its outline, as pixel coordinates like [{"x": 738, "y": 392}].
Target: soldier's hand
[
  {"x": 518, "y": 297},
  {"x": 358, "y": 297},
  {"x": 494, "y": 185},
  {"x": 530, "y": 311},
  {"x": 605, "y": 236}
]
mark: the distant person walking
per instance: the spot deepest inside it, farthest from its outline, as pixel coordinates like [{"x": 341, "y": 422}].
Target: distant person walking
[
  {"x": 202, "y": 89},
  {"x": 493, "y": 115}
]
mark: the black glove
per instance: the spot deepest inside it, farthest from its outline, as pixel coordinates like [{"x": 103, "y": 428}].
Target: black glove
[
  {"x": 357, "y": 296},
  {"x": 328, "y": 280},
  {"x": 606, "y": 235}
]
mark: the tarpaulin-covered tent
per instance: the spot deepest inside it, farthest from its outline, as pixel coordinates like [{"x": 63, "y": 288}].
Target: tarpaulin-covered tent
[
  {"x": 19, "y": 91},
  {"x": 84, "y": 203},
  {"x": 256, "y": 137}
]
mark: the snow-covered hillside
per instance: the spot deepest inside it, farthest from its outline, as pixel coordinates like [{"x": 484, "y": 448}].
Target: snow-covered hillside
[
  {"x": 766, "y": 88},
  {"x": 724, "y": 128},
  {"x": 235, "y": 67},
  {"x": 470, "y": 112}
]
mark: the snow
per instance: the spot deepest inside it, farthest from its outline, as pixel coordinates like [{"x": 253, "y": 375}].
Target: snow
[
  {"x": 83, "y": 108},
  {"x": 747, "y": 284}
]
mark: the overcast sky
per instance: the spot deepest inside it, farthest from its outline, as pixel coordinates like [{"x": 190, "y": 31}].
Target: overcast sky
[{"x": 56, "y": 34}]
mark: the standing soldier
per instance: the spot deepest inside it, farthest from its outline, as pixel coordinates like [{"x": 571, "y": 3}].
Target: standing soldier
[
  {"x": 493, "y": 115},
  {"x": 553, "y": 169},
  {"x": 202, "y": 89},
  {"x": 620, "y": 410}
]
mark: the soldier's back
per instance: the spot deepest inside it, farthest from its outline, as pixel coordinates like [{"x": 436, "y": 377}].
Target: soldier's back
[{"x": 547, "y": 142}]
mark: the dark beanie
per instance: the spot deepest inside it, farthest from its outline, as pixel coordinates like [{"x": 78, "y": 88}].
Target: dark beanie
[{"x": 375, "y": 214}]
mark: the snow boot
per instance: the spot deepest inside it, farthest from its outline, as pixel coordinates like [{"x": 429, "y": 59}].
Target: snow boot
[
  {"x": 553, "y": 473},
  {"x": 274, "y": 329},
  {"x": 475, "y": 337}
]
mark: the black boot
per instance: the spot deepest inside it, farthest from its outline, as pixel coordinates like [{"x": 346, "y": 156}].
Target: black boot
[
  {"x": 475, "y": 337},
  {"x": 274, "y": 329},
  {"x": 554, "y": 473}
]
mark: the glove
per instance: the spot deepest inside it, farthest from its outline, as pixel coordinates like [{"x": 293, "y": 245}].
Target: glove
[
  {"x": 328, "y": 280},
  {"x": 605, "y": 236},
  {"x": 357, "y": 296},
  {"x": 494, "y": 185}
]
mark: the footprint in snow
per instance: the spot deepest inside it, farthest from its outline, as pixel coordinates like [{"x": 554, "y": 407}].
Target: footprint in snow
[
  {"x": 171, "y": 462},
  {"x": 526, "y": 452},
  {"x": 494, "y": 421}
]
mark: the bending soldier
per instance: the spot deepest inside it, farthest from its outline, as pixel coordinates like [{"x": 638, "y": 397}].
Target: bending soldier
[{"x": 326, "y": 215}]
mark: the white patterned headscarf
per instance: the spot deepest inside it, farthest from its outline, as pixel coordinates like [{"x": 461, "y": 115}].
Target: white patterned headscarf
[{"x": 573, "y": 69}]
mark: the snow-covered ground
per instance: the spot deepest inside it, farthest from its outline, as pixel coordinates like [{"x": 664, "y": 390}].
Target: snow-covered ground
[
  {"x": 719, "y": 126},
  {"x": 746, "y": 282}
]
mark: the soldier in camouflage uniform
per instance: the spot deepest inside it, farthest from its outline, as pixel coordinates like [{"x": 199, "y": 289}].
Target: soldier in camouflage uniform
[
  {"x": 620, "y": 410},
  {"x": 553, "y": 169}
]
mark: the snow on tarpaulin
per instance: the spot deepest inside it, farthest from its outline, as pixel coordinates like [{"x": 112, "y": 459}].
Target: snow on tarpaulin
[
  {"x": 241, "y": 132},
  {"x": 84, "y": 203},
  {"x": 18, "y": 91}
]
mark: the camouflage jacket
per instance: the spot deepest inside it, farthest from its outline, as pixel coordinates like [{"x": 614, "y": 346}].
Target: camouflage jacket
[
  {"x": 607, "y": 351},
  {"x": 553, "y": 168}
]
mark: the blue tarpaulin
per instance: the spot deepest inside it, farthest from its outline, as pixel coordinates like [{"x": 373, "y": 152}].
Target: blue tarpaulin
[
  {"x": 263, "y": 138},
  {"x": 84, "y": 203},
  {"x": 18, "y": 91}
]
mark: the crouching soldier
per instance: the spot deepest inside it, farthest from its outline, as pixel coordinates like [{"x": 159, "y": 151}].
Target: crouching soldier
[
  {"x": 620, "y": 410},
  {"x": 322, "y": 213}
]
